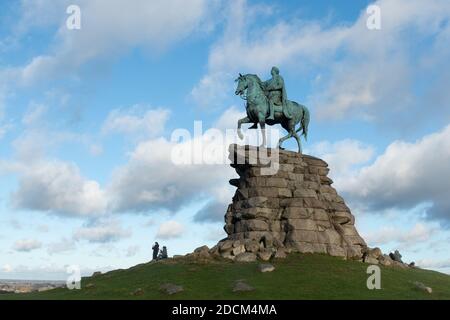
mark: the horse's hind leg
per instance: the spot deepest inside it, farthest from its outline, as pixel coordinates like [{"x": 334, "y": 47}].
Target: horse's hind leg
[
  {"x": 299, "y": 143},
  {"x": 290, "y": 129},
  {"x": 280, "y": 142}
]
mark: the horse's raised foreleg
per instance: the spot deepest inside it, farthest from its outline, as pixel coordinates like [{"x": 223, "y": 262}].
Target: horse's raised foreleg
[
  {"x": 240, "y": 122},
  {"x": 263, "y": 132},
  {"x": 262, "y": 125}
]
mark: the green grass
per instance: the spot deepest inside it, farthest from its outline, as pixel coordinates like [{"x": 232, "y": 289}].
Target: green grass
[{"x": 300, "y": 276}]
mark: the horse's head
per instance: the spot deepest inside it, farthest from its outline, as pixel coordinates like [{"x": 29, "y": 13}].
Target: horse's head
[{"x": 242, "y": 85}]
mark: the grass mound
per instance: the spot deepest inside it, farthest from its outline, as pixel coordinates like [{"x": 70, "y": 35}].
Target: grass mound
[{"x": 300, "y": 276}]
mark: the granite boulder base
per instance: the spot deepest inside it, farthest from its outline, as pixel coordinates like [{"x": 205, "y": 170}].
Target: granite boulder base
[{"x": 294, "y": 208}]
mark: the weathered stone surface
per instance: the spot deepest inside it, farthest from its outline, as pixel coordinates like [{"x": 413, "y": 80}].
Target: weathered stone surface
[
  {"x": 284, "y": 193},
  {"x": 228, "y": 255},
  {"x": 242, "y": 286},
  {"x": 296, "y": 213},
  {"x": 371, "y": 260},
  {"x": 396, "y": 256},
  {"x": 276, "y": 182},
  {"x": 238, "y": 250},
  {"x": 336, "y": 251},
  {"x": 301, "y": 224},
  {"x": 266, "y": 267},
  {"x": 280, "y": 254},
  {"x": 265, "y": 254},
  {"x": 225, "y": 245},
  {"x": 255, "y": 225},
  {"x": 303, "y": 247},
  {"x": 252, "y": 246},
  {"x": 245, "y": 257},
  {"x": 376, "y": 252},
  {"x": 201, "y": 249},
  {"x": 203, "y": 252},
  {"x": 305, "y": 193},
  {"x": 293, "y": 209},
  {"x": 302, "y": 236},
  {"x": 421, "y": 286},
  {"x": 138, "y": 292},
  {"x": 170, "y": 288},
  {"x": 385, "y": 260}
]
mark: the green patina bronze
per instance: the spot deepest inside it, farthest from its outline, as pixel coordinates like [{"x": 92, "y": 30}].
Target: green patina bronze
[{"x": 267, "y": 103}]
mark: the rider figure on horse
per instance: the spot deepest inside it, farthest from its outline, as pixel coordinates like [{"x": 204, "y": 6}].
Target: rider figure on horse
[
  {"x": 276, "y": 92},
  {"x": 266, "y": 99}
]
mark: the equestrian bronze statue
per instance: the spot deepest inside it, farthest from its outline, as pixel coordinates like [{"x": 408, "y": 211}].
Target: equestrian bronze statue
[{"x": 267, "y": 103}]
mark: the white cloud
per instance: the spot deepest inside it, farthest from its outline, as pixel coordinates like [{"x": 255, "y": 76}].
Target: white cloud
[
  {"x": 64, "y": 245},
  {"x": 212, "y": 90},
  {"x": 212, "y": 212},
  {"x": 132, "y": 251},
  {"x": 139, "y": 120},
  {"x": 15, "y": 224},
  {"x": 34, "y": 113},
  {"x": 7, "y": 268},
  {"x": 101, "y": 231},
  {"x": 229, "y": 118},
  {"x": 434, "y": 263},
  {"x": 367, "y": 73},
  {"x": 162, "y": 174},
  {"x": 342, "y": 156},
  {"x": 151, "y": 180},
  {"x": 405, "y": 175},
  {"x": 170, "y": 229},
  {"x": 58, "y": 187},
  {"x": 4, "y": 128},
  {"x": 108, "y": 30},
  {"x": 27, "y": 245},
  {"x": 247, "y": 47},
  {"x": 95, "y": 150},
  {"x": 215, "y": 234},
  {"x": 43, "y": 228},
  {"x": 419, "y": 233}
]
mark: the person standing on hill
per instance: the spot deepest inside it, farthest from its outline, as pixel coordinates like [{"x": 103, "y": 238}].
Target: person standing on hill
[{"x": 155, "y": 249}]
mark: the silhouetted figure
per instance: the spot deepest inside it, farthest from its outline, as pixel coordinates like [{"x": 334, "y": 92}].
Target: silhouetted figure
[
  {"x": 164, "y": 253},
  {"x": 155, "y": 249}
]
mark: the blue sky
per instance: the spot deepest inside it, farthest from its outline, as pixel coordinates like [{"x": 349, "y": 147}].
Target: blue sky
[{"x": 86, "y": 118}]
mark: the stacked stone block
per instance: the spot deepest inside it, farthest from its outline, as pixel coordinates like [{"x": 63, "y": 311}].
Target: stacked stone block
[{"x": 292, "y": 209}]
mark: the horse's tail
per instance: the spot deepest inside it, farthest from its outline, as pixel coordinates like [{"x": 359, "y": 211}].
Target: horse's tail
[{"x": 304, "y": 122}]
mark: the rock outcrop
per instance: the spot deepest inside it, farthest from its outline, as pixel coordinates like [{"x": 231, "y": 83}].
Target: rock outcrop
[{"x": 294, "y": 208}]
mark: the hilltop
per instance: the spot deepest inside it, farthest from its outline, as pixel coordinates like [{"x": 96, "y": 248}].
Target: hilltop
[{"x": 299, "y": 276}]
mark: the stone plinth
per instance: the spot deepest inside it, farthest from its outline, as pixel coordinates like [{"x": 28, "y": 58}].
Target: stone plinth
[{"x": 292, "y": 209}]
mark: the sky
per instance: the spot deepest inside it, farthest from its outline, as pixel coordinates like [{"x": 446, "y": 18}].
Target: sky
[{"x": 88, "y": 117}]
